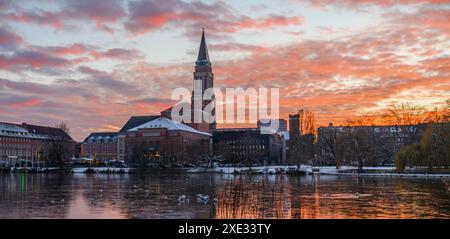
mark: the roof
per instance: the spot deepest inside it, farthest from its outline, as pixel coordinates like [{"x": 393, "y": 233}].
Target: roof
[
  {"x": 14, "y": 130},
  {"x": 168, "y": 124},
  {"x": 135, "y": 121},
  {"x": 32, "y": 131},
  {"x": 236, "y": 129},
  {"x": 47, "y": 131},
  {"x": 203, "y": 56},
  {"x": 101, "y": 134},
  {"x": 12, "y": 127}
]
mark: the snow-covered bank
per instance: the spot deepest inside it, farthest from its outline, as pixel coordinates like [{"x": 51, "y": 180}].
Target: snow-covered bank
[
  {"x": 303, "y": 169},
  {"x": 306, "y": 169},
  {"x": 100, "y": 170},
  {"x": 32, "y": 170},
  {"x": 384, "y": 172},
  {"x": 242, "y": 170}
]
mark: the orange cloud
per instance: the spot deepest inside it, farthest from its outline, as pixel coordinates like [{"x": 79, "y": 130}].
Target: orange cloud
[
  {"x": 26, "y": 103},
  {"x": 403, "y": 58}
]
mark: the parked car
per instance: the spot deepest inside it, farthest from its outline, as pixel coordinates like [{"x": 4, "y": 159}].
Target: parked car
[{"x": 188, "y": 165}]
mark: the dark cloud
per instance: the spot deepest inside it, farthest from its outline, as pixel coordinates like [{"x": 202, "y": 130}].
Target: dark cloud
[
  {"x": 9, "y": 40},
  {"x": 118, "y": 53},
  {"x": 92, "y": 103},
  {"x": 218, "y": 17},
  {"x": 31, "y": 59},
  {"x": 111, "y": 84},
  {"x": 17, "y": 101},
  {"x": 90, "y": 71},
  {"x": 103, "y": 80},
  {"x": 151, "y": 100},
  {"x": 101, "y": 13}
]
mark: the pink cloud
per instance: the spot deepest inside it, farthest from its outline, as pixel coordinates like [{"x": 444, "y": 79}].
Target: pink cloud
[
  {"x": 264, "y": 23},
  {"x": 334, "y": 78},
  {"x": 101, "y": 13},
  {"x": 117, "y": 53},
  {"x": 26, "y": 103},
  {"x": 8, "y": 37},
  {"x": 40, "y": 18},
  {"x": 380, "y": 3},
  {"x": 238, "y": 47},
  {"x": 33, "y": 59},
  {"x": 74, "y": 49},
  {"x": 147, "y": 16},
  {"x": 427, "y": 18}
]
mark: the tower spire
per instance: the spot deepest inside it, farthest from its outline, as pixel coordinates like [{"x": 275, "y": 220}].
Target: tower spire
[
  {"x": 204, "y": 77},
  {"x": 203, "y": 56}
]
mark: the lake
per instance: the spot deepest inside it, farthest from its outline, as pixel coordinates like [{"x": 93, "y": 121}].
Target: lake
[{"x": 182, "y": 195}]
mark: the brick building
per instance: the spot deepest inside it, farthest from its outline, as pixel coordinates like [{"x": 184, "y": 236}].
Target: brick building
[
  {"x": 166, "y": 142},
  {"x": 100, "y": 145},
  {"x": 25, "y": 145},
  {"x": 133, "y": 122}
]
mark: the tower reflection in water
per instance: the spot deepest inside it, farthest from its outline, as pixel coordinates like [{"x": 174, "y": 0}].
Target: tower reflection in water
[{"x": 179, "y": 195}]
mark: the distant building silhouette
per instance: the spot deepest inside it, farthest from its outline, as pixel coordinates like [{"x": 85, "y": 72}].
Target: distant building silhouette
[
  {"x": 248, "y": 146},
  {"x": 294, "y": 125}
]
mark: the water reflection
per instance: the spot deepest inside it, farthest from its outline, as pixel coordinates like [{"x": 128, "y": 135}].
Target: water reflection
[{"x": 178, "y": 195}]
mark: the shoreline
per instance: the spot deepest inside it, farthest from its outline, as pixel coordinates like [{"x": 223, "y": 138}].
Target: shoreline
[
  {"x": 257, "y": 170},
  {"x": 309, "y": 170}
]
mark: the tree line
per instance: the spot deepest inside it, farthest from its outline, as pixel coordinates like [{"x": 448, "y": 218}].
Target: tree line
[{"x": 407, "y": 135}]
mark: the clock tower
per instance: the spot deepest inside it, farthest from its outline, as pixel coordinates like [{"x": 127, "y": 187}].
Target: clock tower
[{"x": 203, "y": 74}]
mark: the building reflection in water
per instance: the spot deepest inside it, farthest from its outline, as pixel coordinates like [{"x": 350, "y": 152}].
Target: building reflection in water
[
  {"x": 322, "y": 196},
  {"x": 158, "y": 195},
  {"x": 41, "y": 196},
  {"x": 254, "y": 197}
]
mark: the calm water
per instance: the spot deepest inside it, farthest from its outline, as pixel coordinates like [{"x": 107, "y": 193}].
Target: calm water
[{"x": 160, "y": 195}]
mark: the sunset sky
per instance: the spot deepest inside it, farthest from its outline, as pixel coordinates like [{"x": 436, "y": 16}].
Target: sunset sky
[{"x": 96, "y": 63}]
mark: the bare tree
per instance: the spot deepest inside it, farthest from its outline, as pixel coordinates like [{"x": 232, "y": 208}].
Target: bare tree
[
  {"x": 195, "y": 152},
  {"x": 435, "y": 146},
  {"x": 307, "y": 122},
  {"x": 405, "y": 119},
  {"x": 439, "y": 114},
  {"x": 362, "y": 120},
  {"x": 358, "y": 146},
  {"x": 58, "y": 148},
  {"x": 64, "y": 126},
  {"x": 328, "y": 145},
  {"x": 407, "y": 114},
  {"x": 224, "y": 150},
  {"x": 302, "y": 147},
  {"x": 58, "y": 152}
]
